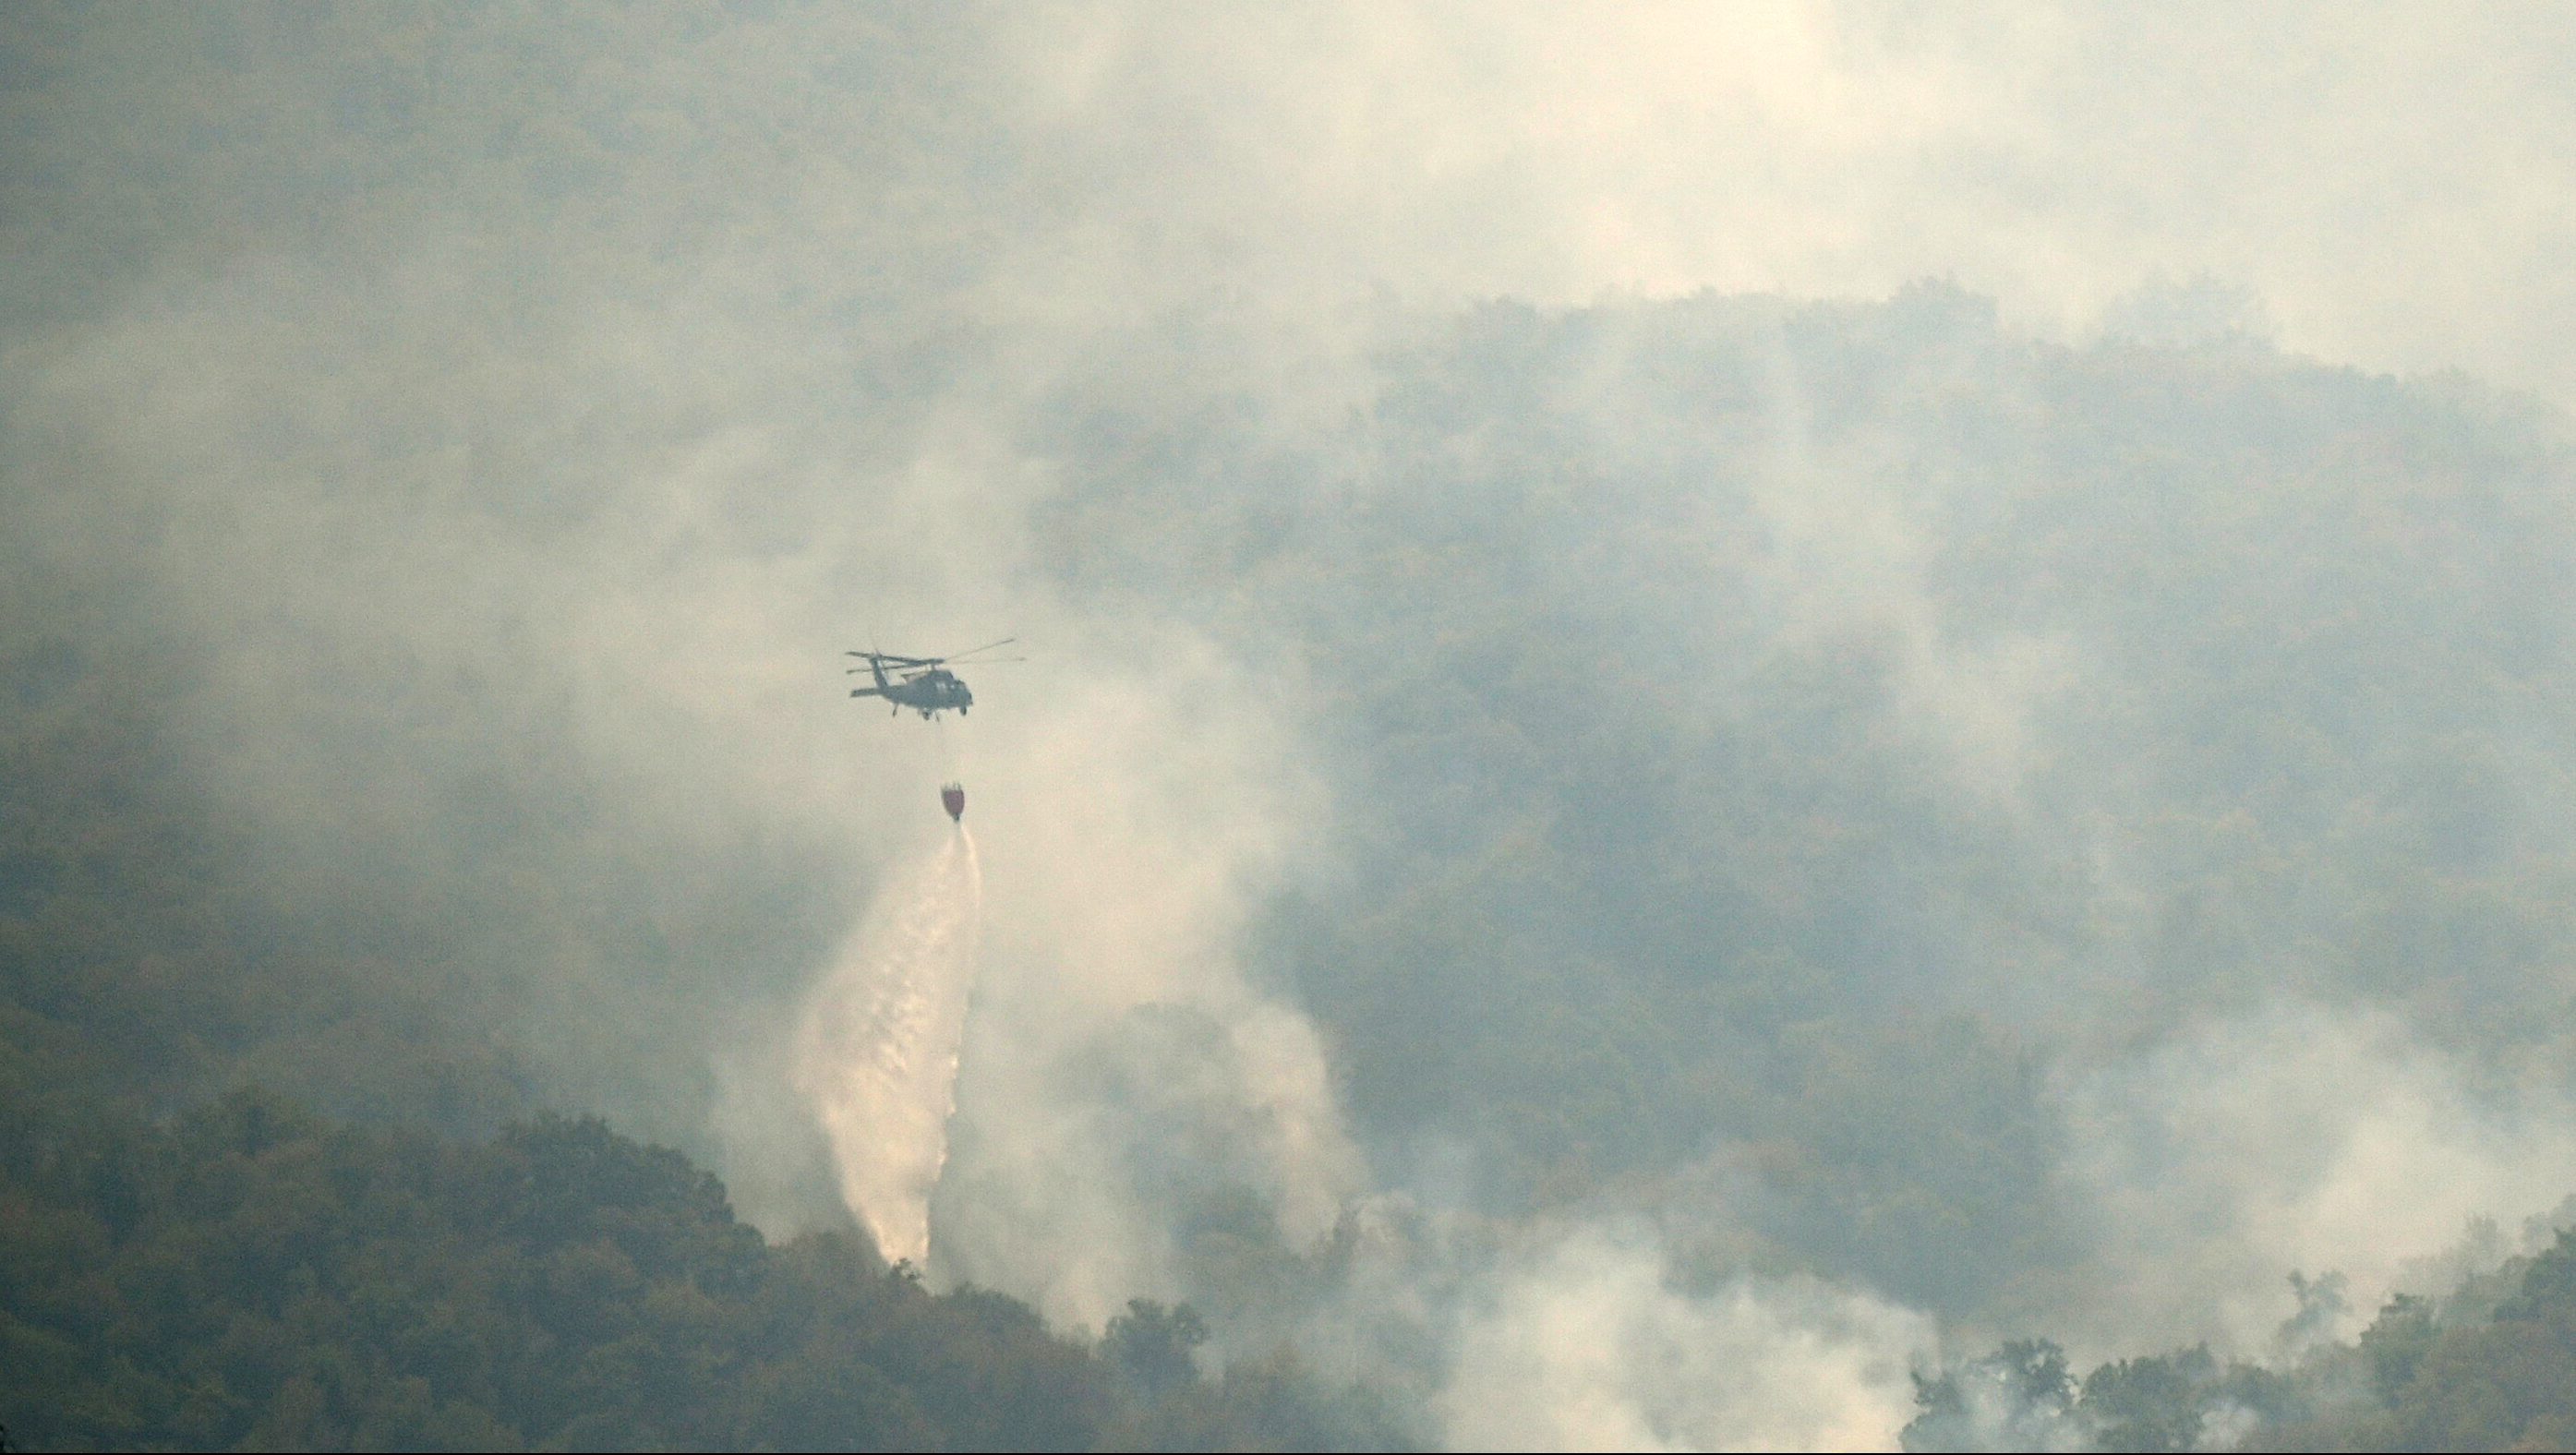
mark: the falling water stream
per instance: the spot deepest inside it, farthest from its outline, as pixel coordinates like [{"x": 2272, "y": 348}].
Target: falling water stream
[{"x": 876, "y": 1055}]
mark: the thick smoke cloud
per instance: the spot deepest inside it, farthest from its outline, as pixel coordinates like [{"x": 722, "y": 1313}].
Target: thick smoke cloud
[
  {"x": 495, "y": 426},
  {"x": 1588, "y": 1347},
  {"x": 2053, "y": 157},
  {"x": 2303, "y": 1140}
]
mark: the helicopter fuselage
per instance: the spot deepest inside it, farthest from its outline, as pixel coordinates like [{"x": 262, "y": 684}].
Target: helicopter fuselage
[{"x": 928, "y": 692}]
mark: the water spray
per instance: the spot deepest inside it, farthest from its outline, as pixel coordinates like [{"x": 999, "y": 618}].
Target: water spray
[{"x": 877, "y": 1050}]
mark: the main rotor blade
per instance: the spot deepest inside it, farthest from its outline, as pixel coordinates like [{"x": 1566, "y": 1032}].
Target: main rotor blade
[{"x": 988, "y": 646}]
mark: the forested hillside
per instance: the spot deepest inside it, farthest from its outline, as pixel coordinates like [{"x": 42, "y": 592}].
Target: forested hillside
[{"x": 247, "y": 1276}]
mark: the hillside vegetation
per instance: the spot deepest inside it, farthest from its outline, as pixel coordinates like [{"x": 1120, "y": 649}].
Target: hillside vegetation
[{"x": 247, "y": 1276}]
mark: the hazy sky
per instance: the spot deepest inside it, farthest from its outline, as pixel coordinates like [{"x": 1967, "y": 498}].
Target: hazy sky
[{"x": 2394, "y": 180}]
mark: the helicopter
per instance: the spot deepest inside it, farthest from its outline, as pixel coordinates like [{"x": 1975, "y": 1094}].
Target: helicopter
[{"x": 923, "y": 684}]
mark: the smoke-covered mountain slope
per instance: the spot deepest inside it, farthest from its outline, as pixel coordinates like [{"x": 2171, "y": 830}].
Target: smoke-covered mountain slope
[{"x": 1813, "y": 739}]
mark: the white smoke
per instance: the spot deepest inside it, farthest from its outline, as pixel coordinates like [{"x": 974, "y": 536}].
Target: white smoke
[
  {"x": 1591, "y": 1347},
  {"x": 2299, "y": 1138},
  {"x": 877, "y": 1053}
]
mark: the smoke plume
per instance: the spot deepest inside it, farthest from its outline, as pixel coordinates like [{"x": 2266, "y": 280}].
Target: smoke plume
[{"x": 1591, "y": 1347}]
